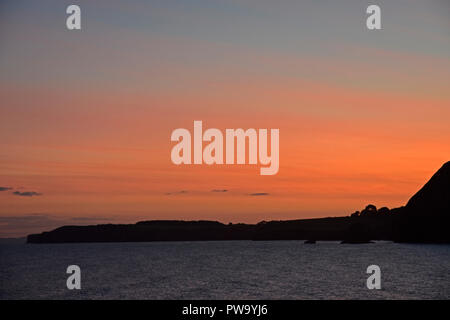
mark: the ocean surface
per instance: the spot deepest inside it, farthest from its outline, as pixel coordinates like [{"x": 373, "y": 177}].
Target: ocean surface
[{"x": 225, "y": 270}]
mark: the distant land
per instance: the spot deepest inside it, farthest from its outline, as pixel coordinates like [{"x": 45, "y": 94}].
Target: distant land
[
  {"x": 12, "y": 240},
  {"x": 424, "y": 219}
]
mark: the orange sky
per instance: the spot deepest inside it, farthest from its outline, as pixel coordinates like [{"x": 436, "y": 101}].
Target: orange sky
[{"x": 367, "y": 124}]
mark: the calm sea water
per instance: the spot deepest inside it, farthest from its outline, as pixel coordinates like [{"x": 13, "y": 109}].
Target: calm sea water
[{"x": 225, "y": 270}]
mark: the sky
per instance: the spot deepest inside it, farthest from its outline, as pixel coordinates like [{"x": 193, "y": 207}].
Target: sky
[{"x": 86, "y": 116}]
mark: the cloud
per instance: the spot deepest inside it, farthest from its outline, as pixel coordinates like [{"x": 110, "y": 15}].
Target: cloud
[
  {"x": 176, "y": 192},
  {"x": 258, "y": 194},
  {"x": 219, "y": 190},
  {"x": 5, "y": 188},
  {"x": 27, "y": 193}
]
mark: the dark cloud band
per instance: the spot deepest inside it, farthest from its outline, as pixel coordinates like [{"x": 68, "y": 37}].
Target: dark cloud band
[{"x": 27, "y": 193}]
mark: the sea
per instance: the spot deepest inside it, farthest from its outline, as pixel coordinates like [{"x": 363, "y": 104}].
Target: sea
[{"x": 225, "y": 270}]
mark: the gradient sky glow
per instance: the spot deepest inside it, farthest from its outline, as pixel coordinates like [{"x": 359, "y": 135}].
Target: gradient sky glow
[{"x": 86, "y": 116}]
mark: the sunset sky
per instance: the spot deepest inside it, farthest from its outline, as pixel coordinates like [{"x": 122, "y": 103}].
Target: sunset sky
[{"x": 86, "y": 116}]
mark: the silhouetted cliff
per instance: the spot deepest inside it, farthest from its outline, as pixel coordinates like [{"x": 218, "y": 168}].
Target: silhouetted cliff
[
  {"x": 340, "y": 228},
  {"x": 146, "y": 231},
  {"x": 434, "y": 197},
  {"x": 425, "y": 218}
]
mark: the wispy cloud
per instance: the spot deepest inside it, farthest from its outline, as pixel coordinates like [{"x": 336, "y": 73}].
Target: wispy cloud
[
  {"x": 5, "y": 188},
  {"x": 258, "y": 194},
  {"x": 219, "y": 190},
  {"x": 176, "y": 192},
  {"x": 27, "y": 193}
]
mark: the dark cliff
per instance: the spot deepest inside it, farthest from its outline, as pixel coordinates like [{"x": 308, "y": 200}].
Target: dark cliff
[
  {"x": 434, "y": 197},
  {"x": 425, "y": 218}
]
